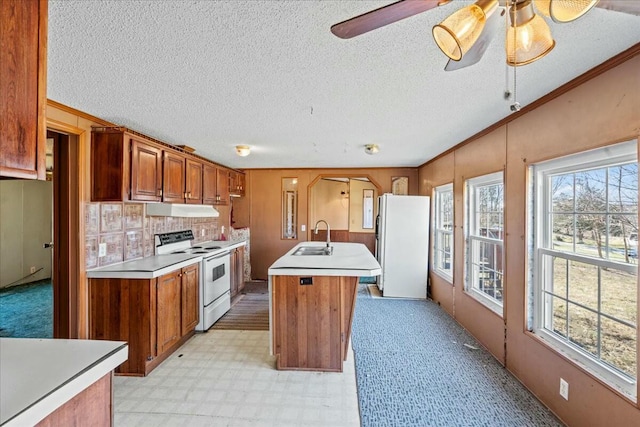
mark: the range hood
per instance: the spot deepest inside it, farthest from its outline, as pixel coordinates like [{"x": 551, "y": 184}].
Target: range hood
[{"x": 181, "y": 210}]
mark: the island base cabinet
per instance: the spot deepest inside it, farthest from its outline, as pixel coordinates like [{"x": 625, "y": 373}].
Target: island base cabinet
[
  {"x": 91, "y": 407},
  {"x": 312, "y": 321}
]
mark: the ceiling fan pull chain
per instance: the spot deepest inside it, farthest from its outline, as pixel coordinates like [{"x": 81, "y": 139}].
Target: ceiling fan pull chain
[{"x": 516, "y": 105}]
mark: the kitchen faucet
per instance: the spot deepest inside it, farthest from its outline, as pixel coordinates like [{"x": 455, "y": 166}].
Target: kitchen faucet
[{"x": 315, "y": 231}]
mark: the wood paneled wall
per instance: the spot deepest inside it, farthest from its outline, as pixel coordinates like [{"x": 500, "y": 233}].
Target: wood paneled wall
[
  {"x": 262, "y": 206},
  {"x": 599, "y": 112}
]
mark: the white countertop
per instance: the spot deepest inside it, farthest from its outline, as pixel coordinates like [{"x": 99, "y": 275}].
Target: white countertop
[
  {"x": 158, "y": 265},
  {"x": 39, "y": 375},
  {"x": 347, "y": 259}
]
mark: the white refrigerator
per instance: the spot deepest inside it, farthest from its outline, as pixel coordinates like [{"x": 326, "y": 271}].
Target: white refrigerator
[{"x": 402, "y": 245}]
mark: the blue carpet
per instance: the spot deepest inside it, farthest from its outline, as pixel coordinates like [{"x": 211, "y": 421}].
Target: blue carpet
[
  {"x": 414, "y": 369},
  {"x": 368, "y": 279},
  {"x": 26, "y": 311}
]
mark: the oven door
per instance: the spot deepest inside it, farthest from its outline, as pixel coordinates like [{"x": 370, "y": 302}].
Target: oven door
[{"x": 216, "y": 277}]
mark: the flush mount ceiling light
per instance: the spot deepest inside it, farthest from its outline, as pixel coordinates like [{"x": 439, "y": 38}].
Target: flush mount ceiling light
[
  {"x": 243, "y": 150},
  {"x": 371, "y": 148},
  {"x": 465, "y": 35}
]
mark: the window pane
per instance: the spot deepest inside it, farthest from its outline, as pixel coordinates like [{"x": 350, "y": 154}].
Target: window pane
[
  {"x": 591, "y": 195},
  {"x": 559, "y": 317},
  {"x": 618, "y": 346},
  {"x": 619, "y": 294},
  {"x": 583, "y": 284},
  {"x": 558, "y": 285},
  {"x": 623, "y": 188},
  {"x": 563, "y": 236},
  {"x": 590, "y": 235},
  {"x": 583, "y": 328},
  {"x": 562, "y": 193}
]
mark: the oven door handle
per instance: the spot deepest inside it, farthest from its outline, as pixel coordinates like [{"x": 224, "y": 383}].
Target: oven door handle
[{"x": 217, "y": 256}]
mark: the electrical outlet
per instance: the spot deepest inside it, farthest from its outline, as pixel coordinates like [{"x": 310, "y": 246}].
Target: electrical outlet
[
  {"x": 564, "y": 389},
  {"x": 102, "y": 249},
  {"x": 32, "y": 270},
  {"x": 303, "y": 227}
]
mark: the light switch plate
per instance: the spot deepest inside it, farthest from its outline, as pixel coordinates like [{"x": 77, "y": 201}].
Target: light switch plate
[
  {"x": 303, "y": 227},
  {"x": 102, "y": 249}
]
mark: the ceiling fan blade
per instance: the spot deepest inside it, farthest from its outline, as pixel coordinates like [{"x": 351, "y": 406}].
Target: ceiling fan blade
[
  {"x": 632, "y": 7},
  {"x": 383, "y": 16},
  {"x": 480, "y": 46}
]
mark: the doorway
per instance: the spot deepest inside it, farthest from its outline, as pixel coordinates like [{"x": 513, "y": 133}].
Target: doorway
[{"x": 347, "y": 204}]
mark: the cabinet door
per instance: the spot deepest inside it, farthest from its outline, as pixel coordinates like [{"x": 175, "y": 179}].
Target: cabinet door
[
  {"x": 23, "y": 78},
  {"x": 168, "y": 310},
  {"x": 193, "y": 187},
  {"x": 222, "y": 185},
  {"x": 233, "y": 187},
  {"x": 232, "y": 273},
  {"x": 209, "y": 179},
  {"x": 239, "y": 268},
  {"x": 146, "y": 171},
  {"x": 190, "y": 298},
  {"x": 240, "y": 184},
  {"x": 173, "y": 178}
]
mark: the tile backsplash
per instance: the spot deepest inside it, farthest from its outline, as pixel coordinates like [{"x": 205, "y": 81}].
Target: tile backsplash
[{"x": 129, "y": 233}]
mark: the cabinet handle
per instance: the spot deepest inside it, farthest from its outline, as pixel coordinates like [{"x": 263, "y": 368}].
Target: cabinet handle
[{"x": 160, "y": 192}]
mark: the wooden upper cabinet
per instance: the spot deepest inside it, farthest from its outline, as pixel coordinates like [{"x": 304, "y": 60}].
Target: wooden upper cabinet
[
  {"x": 173, "y": 178},
  {"x": 146, "y": 171},
  {"x": 23, "y": 81},
  {"x": 209, "y": 184},
  {"x": 222, "y": 186},
  {"x": 236, "y": 183},
  {"x": 193, "y": 185}
]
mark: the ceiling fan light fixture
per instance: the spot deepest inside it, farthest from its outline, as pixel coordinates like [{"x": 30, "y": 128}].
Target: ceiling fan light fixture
[
  {"x": 562, "y": 11},
  {"x": 458, "y": 32},
  {"x": 528, "y": 37},
  {"x": 243, "y": 150}
]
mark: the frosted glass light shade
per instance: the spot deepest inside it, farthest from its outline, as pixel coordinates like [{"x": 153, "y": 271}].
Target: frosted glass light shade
[
  {"x": 457, "y": 33},
  {"x": 243, "y": 150},
  {"x": 530, "y": 40},
  {"x": 562, "y": 11}
]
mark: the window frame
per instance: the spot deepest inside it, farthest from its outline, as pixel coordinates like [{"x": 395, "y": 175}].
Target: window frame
[
  {"x": 471, "y": 186},
  {"x": 438, "y": 192},
  {"x": 541, "y": 244}
]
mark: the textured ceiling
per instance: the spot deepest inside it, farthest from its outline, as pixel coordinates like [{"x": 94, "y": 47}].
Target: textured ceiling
[{"x": 269, "y": 74}]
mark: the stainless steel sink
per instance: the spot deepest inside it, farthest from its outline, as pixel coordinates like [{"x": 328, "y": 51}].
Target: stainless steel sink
[{"x": 313, "y": 250}]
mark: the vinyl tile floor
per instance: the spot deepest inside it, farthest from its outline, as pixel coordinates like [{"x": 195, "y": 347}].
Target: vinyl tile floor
[{"x": 227, "y": 378}]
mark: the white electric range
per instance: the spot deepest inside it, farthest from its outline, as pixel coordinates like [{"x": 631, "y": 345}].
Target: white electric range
[{"x": 215, "y": 281}]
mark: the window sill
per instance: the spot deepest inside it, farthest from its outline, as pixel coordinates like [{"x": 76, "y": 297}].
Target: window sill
[
  {"x": 609, "y": 378},
  {"x": 490, "y": 303}
]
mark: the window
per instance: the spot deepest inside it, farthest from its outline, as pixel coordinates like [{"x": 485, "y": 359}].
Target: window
[
  {"x": 443, "y": 220},
  {"x": 584, "y": 275},
  {"x": 485, "y": 202}
]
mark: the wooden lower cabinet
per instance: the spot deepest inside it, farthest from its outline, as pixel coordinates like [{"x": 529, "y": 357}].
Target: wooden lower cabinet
[
  {"x": 190, "y": 298},
  {"x": 312, "y": 321},
  {"x": 155, "y": 316},
  {"x": 237, "y": 271}
]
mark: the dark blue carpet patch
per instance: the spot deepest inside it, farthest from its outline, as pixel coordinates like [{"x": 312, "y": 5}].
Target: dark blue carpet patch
[{"x": 26, "y": 311}]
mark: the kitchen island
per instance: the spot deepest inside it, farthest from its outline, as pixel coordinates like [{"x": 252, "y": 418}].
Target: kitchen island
[
  {"x": 57, "y": 381},
  {"x": 312, "y": 299}
]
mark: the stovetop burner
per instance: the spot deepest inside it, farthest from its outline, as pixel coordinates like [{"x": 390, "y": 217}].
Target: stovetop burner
[{"x": 180, "y": 243}]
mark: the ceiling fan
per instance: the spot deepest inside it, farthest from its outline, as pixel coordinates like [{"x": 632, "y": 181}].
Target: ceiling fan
[{"x": 465, "y": 35}]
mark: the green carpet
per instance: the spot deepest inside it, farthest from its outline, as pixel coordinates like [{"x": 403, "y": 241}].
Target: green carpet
[{"x": 26, "y": 311}]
